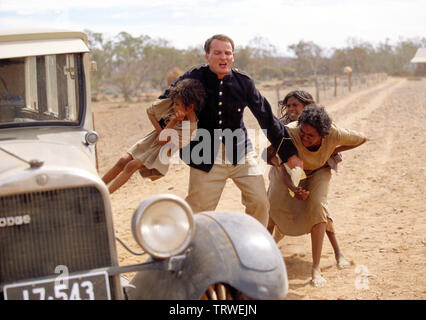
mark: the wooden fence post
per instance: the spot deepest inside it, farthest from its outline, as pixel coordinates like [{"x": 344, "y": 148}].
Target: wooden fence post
[
  {"x": 348, "y": 71},
  {"x": 349, "y": 81},
  {"x": 317, "y": 96},
  {"x": 335, "y": 85},
  {"x": 277, "y": 89}
]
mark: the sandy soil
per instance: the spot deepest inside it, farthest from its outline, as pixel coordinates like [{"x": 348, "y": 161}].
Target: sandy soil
[{"x": 377, "y": 199}]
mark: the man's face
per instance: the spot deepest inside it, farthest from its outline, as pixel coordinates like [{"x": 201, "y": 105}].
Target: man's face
[{"x": 220, "y": 57}]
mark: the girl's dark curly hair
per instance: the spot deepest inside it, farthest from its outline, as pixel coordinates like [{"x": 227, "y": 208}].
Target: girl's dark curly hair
[
  {"x": 189, "y": 91},
  {"x": 304, "y": 97},
  {"x": 316, "y": 117}
]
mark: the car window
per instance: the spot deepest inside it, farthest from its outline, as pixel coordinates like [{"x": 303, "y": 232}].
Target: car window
[{"x": 40, "y": 90}]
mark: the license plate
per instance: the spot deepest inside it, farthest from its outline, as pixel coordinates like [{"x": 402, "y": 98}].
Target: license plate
[{"x": 91, "y": 286}]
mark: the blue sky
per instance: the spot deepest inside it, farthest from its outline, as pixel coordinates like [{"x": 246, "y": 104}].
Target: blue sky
[{"x": 187, "y": 23}]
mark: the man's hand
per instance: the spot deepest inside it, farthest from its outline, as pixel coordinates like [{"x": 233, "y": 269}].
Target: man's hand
[{"x": 294, "y": 161}]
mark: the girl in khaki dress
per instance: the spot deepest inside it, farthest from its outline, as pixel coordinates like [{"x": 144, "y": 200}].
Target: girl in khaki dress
[
  {"x": 316, "y": 139},
  {"x": 150, "y": 155},
  {"x": 291, "y": 107}
]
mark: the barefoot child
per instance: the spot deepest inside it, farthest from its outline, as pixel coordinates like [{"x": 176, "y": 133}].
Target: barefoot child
[
  {"x": 291, "y": 108},
  {"x": 150, "y": 155},
  {"x": 316, "y": 139}
]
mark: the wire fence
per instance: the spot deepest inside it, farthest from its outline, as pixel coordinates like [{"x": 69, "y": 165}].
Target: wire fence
[{"x": 323, "y": 88}]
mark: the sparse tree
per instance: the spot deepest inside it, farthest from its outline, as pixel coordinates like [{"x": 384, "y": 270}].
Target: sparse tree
[
  {"x": 130, "y": 68},
  {"x": 308, "y": 57},
  {"x": 131, "y": 63},
  {"x": 101, "y": 53}
]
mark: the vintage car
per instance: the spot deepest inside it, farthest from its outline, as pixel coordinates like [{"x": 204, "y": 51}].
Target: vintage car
[{"x": 57, "y": 238}]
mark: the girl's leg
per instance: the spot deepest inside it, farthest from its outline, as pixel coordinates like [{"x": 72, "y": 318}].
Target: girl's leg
[
  {"x": 271, "y": 225},
  {"x": 117, "y": 168},
  {"x": 341, "y": 260},
  {"x": 274, "y": 230},
  {"x": 278, "y": 236},
  {"x": 124, "y": 176},
  {"x": 317, "y": 238}
]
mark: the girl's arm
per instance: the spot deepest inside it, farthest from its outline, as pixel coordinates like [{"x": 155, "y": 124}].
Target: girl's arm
[
  {"x": 271, "y": 156},
  {"x": 344, "y": 148},
  {"x": 347, "y": 139},
  {"x": 154, "y": 122},
  {"x": 186, "y": 134},
  {"x": 192, "y": 117},
  {"x": 158, "y": 128},
  {"x": 299, "y": 192},
  {"x": 287, "y": 179},
  {"x": 170, "y": 125}
]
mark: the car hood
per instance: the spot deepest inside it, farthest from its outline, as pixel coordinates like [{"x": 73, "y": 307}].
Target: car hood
[{"x": 70, "y": 153}]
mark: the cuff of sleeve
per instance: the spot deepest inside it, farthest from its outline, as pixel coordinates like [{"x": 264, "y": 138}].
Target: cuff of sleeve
[{"x": 286, "y": 149}]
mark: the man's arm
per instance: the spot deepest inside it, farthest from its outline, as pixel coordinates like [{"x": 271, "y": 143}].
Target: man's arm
[{"x": 276, "y": 131}]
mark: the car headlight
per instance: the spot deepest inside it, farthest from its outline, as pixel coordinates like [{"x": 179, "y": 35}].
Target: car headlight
[{"x": 163, "y": 225}]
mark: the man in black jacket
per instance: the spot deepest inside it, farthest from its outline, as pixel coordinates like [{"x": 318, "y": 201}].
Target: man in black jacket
[{"x": 221, "y": 148}]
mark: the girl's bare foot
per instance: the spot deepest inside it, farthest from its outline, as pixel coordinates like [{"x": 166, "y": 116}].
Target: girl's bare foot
[
  {"x": 317, "y": 279},
  {"x": 342, "y": 263}
]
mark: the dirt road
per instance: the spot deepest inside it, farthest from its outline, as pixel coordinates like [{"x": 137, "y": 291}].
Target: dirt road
[{"x": 377, "y": 199}]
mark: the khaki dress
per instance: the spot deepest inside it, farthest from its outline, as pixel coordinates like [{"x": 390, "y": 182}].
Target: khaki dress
[
  {"x": 149, "y": 152},
  {"x": 297, "y": 217}
]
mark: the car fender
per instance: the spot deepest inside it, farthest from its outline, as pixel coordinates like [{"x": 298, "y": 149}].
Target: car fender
[{"x": 228, "y": 247}]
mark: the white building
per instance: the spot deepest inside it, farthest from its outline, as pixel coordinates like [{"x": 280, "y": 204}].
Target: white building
[{"x": 420, "y": 61}]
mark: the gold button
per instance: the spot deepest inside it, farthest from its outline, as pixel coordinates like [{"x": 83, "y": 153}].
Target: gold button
[
  {"x": 220, "y": 103},
  {"x": 220, "y": 93}
]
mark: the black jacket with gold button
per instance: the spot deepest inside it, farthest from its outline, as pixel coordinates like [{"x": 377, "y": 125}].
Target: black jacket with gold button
[{"x": 221, "y": 119}]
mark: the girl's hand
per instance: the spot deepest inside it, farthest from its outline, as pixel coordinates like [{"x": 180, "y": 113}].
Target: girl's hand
[
  {"x": 179, "y": 115},
  {"x": 301, "y": 194},
  {"x": 337, "y": 157}
]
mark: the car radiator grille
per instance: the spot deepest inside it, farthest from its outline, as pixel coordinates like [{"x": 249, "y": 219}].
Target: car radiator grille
[{"x": 67, "y": 227}]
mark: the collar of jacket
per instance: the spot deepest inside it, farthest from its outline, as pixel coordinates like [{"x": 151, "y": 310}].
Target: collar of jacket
[{"x": 213, "y": 76}]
